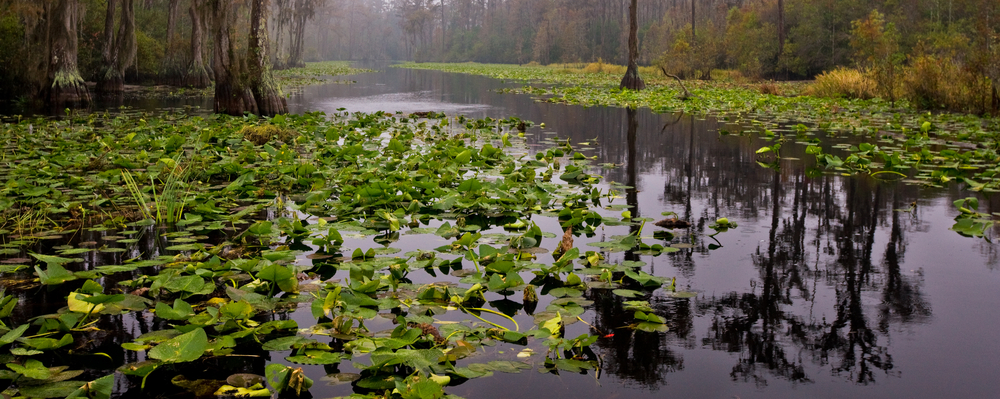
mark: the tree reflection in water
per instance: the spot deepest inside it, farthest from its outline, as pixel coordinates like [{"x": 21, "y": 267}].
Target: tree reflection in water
[{"x": 818, "y": 258}]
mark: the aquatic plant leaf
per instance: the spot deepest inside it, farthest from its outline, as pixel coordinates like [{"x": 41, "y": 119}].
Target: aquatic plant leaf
[
  {"x": 286, "y": 379},
  {"x": 182, "y": 348},
  {"x": 32, "y": 369},
  {"x": 76, "y": 303},
  {"x": 180, "y": 311},
  {"x": 13, "y": 335},
  {"x": 97, "y": 389},
  {"x": 53, "y": 260},
  {"x": 192, "y": 284},
  {"x": 552, "y": 325},
  {"x": 314, "y": 357},
  {"x": 286, "y": 343},
  {"x": 45, "y": 344},
  {"x": 239, "y": 310},
  {"x": 59, "y": 389},
  {"x": 280, "y": 275},
  {"x": 649, "y": 317},
  {"x": 572, "y": 365},
  {"x": 651, "y": 327},
  {"x": 54, "y": 274}
]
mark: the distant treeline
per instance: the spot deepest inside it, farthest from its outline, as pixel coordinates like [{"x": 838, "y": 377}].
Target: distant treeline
[{"x": 889, "y": 46}]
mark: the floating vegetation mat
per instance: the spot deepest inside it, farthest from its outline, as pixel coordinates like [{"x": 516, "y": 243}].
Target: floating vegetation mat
[
  {"x": 899, "y": 141},
  {"x": 160, "y": 255}
]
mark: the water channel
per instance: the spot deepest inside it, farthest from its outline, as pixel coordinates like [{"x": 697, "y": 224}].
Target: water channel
[{"x": 829, "y": 287}]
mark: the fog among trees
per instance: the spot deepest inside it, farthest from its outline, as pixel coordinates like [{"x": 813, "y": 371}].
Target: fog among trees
[{"x": 51, "y": 46}]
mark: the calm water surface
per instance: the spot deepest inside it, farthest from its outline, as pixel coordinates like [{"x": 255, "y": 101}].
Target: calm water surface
[{"x": 824, "y": 290}]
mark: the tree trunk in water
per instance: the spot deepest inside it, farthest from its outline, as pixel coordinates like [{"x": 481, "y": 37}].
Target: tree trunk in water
[
  {"x": 172, "y": 70},
  {"x": 197, "y": 76},
  {"x": 632, "y": 81},
  {"x": 232, "y": 96},
  {"x": 265, "y": 90},
  {"x": 119, "y": 53},
  {"x": 65, "y": 86},
  {"x": 298, "y": 34}
]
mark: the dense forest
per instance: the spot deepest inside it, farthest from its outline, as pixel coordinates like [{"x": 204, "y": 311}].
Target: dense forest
[{"x": 937, "y": 53}]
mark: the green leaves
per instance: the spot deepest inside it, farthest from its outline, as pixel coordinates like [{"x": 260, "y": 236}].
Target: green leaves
[
  {"x": 287, "y": 379},
  {"x": 281, "y": 276},
  {"x": 183, "y": 348}
]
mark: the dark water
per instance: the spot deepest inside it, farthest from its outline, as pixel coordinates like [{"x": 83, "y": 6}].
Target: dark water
[{"x": 823, "y": 291}]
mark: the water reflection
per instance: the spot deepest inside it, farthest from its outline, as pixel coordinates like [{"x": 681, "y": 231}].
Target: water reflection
[
  {"x": 821, "y": 289},
  {"x": 822, "y": 297}
]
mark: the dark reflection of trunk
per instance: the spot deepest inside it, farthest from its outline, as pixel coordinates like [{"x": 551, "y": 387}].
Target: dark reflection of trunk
[
  {"x": 760, "y": 326},
  {"x": 637, "y": 356},
  {"x": 632, "y": 193},
  {"x": 901, "y": 299}
]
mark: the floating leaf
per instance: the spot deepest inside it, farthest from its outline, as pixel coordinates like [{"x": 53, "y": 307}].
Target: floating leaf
[{"x": 183, "y": 348}]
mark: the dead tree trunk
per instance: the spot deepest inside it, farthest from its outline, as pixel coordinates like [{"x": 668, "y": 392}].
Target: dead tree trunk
[
  {"x": 232, "y": 95},
  {"x": 262, "y": 84},
  {"x": 120, "y": 51},
  {"x": 65, "y": 86},
  {"x": 631, "y": 80},
  {"x": 197, "y": 75}
]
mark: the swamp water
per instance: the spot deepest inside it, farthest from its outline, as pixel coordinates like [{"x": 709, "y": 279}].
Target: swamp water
[{"x": 828, "y": 286}]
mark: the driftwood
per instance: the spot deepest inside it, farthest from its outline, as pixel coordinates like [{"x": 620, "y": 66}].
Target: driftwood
[{"x": 684, "y": 96}]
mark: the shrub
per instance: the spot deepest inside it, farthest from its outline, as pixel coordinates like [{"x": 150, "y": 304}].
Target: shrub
[
  {"x": 932, "y": 82},
  {"x": 843, "y": 82},
  {"x": 260, "y": 135},
  {"x": 769, "y": 88}
]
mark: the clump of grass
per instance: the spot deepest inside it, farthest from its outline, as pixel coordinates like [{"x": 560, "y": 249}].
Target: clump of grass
[
  {"x": 843, "y": 82},
  {"x": 769, "y": 87},
  {"x": 260, "y": 135}
]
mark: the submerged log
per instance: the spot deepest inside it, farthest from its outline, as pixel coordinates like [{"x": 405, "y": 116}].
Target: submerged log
[{"x": 673, "y": 223}]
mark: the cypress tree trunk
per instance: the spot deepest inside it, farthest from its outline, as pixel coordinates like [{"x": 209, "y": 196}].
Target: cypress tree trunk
[
  {"x": 172, "y": 69},
  {"x": 65, "y": 86},
  {"x": 298, "y": 34},
  {"x": 119, "y": 50},
  {"x": 632, "y": 81},
  {"x": 197, "y": 76},
  {"x": 232, "y": 95},
  {"x": 265, "y": 91}
]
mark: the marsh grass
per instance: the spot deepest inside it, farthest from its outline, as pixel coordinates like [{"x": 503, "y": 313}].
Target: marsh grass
[
  {"x": 843, "y": 83},
  {"x": 168, "y": 204}
]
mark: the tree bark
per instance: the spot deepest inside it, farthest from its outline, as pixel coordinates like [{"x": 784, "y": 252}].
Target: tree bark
[
  {"x": 232, "y": 96},
  {"x": 172, "y": 69},
  {"x": 297, "y": 35},
  {"x": 120, "y": 51},
  {"x": 197, "y": 76},
  {"x": 262, "y": 84},
  {"x": 65, "y": 86},
  {"x": 631, "y": 80}
]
